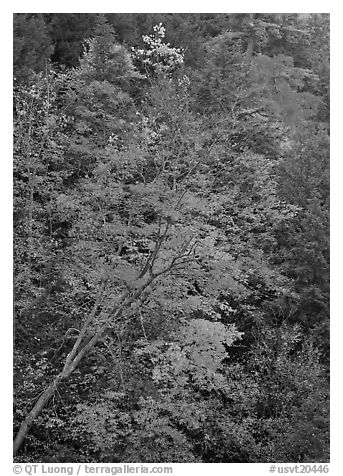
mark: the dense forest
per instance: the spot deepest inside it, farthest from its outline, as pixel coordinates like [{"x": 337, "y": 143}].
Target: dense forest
[{"x": 171, "y": 237}]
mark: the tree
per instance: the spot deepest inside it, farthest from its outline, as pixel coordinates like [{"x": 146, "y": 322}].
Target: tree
[
  {"x": 171, "y": 243},
  {"x": 68, "y": 31},
  {"x": 35, "y": 123},
  {"x": 32, "y": 47}
]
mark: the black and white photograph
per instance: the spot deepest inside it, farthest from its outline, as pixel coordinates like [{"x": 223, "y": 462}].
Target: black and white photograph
[{"x": 171, "y": 240}]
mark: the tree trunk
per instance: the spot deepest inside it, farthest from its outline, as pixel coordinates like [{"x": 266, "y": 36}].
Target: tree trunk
[
  {"x": 71, "y": 362},
  {"x": 35, "y": 412}
]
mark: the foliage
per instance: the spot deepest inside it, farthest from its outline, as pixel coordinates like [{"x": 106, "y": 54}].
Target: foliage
[
  {"x": 159, "y": 55},
  {"x": 68, "y": 32},
  {"x": 171, "y": 238},
  {"x": 32, "y": 46}
]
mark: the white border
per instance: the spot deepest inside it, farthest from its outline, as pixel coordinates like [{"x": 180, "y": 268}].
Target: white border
[{"x": 336, "y": 194}]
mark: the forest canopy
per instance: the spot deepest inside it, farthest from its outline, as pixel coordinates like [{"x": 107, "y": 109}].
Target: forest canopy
[{"x": 171, "y": 237}]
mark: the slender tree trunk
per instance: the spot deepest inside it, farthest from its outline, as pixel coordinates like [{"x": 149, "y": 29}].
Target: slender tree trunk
[
  {"x": 35, "y": 412},
  {"x": 72, "y": 361}
]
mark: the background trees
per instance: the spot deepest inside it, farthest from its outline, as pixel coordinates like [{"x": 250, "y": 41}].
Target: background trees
[{"x": 171, "y": 237}]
